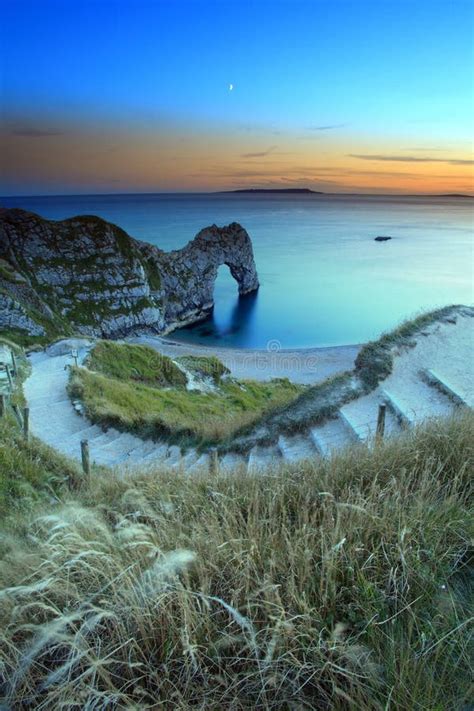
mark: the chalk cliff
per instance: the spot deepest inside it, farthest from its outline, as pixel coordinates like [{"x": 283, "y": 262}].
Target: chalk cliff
[{"x": 88, "y": 276}]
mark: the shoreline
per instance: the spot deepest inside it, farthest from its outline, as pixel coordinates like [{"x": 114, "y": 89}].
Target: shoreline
[{"x": 300, "y": 365}]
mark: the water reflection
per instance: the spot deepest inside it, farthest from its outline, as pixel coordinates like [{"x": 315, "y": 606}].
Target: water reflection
[{"x": 234, "y": 324}]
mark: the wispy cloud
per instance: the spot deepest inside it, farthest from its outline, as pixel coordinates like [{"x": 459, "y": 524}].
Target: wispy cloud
[
  {"x": 34, "y": 132},
  {"x": 411, "y": 159},
  {"x": 260, "y": 154},
  {"x": 329, "y": 127},
  {"x": 427, "y": 150}
]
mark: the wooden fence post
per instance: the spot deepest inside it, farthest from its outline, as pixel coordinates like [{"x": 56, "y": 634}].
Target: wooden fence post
[
  {"x": 26, "y": 423},
  {"x": 381, "y": 421},
  {"x": 214, "y": 464},
  {"x": 15, "y": 369},
  {"x": 85, "y": 456},
  {"x": 3, "y": 405},
  {"x": 18, "y": 416},
  {"x": 9, "y": 375}
]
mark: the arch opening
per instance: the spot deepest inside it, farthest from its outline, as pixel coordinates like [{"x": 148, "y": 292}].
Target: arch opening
[{"x": 232, "y": 313}]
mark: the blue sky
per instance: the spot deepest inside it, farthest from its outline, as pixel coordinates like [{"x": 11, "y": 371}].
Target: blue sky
[{"x": 330, "y": 79}]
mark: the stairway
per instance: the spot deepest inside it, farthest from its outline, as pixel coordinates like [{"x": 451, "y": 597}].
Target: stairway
[{"x": 410, "y": 400}]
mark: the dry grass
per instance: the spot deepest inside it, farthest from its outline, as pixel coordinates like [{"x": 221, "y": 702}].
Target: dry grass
[{"x": 336, "y": 585}]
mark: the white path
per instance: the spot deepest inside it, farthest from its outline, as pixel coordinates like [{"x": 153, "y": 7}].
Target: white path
[
  {"x": 432, "y": 377},
  {"x": 54, "y": 420}
]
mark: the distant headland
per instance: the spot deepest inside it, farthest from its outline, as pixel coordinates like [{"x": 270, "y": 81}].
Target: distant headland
[
  {"x": 308, "y": 191},
  {"x": 274, "y": 190}
]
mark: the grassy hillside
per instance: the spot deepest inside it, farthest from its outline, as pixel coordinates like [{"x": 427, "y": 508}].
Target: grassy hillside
[
  {"x": 135, "y": 389},
  {"x": 134, "y": 363},
  {"x": 330, "y": 585}
]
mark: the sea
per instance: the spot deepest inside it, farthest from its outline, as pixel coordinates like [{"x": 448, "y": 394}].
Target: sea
[{"x": 324, "y": 279}]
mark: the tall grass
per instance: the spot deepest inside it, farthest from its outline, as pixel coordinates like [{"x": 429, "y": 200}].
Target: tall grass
[
  {"x": 327, "y": 585},
  {"x": 29, "y": 471}
]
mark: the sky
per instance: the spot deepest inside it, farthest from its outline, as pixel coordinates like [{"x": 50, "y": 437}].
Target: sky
[{"x": 116, "y": 96}]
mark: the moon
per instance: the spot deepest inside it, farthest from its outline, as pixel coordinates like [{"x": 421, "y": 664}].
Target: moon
[{"x": 231, "y": 87}]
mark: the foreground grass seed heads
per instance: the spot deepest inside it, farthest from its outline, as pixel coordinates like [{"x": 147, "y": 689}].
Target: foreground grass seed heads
[{"x": 328, "y": 585}]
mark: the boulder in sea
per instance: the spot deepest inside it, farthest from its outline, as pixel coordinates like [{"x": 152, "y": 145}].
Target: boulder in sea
[{"x": 382, "y": 238}]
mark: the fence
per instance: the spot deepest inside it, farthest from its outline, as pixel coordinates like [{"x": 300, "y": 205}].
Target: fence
[{"x": 8, "y": 376}]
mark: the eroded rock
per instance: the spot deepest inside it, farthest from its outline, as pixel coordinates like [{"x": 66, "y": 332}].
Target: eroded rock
[{"x": 91, "y": 275}]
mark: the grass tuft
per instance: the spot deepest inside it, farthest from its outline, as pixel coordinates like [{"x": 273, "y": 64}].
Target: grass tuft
[{"x": 142, "y": 364}]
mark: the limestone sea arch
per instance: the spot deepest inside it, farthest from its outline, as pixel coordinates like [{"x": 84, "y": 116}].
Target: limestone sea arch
[{"x": 89, "y": 275}]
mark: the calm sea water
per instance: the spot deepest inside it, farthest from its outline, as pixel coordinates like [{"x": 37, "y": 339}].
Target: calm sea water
[{"x": 324, "y": 281}]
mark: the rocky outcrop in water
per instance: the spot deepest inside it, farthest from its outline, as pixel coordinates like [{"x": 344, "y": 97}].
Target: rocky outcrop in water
[{"x": 87, "y": 275}]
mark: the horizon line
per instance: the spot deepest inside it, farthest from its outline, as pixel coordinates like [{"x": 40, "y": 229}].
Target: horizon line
[{"x": 316, "y": 193}]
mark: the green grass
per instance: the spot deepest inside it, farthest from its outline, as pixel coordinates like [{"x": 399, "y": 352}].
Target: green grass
[
  {"x": 142, "y": 364},
  {"x": 184, "y": 416},
  {"x": 327, "y": 585},
  {"x": 29, "y": 472},
  {"x": 204, "y": 367}
]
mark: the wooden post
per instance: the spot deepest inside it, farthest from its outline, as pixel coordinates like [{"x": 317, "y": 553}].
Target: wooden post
[
  {"x": 18, "y": 416},
  {"x": 3, "y": 405},
  {"x": 214, "y": 463},
  {"x": 381, "y": 421},
  {"x": 9, "y": 375},
  {"x": 26, "y": 423},
  {"x": 85, "y": 456},
  {"x": 14, "y": 366},
  {"x": 74, "y": 355}
]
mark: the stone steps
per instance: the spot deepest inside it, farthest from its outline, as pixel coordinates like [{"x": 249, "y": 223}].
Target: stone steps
[
  {"x": 52, "y": 417},
  {"x": 362, "y": 415},
  {"x": 201, "y": 464},
  {"x": 261, "y": 458},
  {"x": 233, "y": 461},
  {"x": 297, "y": 447},
  {"x": 331, "y": 435},
  {"x": 158, "y": 454},
  {"x": 107, "y": 437},
  {"x": 452, "y": 391},
  {"x": 404, "y": 416}
]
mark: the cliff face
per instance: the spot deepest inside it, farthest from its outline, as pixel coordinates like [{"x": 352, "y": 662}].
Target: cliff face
[{"x": 87, "y": 275}]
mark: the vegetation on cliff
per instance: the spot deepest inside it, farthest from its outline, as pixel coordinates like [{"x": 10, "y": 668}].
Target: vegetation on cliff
[
  {"x": 334, "y": 584},
  {"x": 87, "y": 275}
]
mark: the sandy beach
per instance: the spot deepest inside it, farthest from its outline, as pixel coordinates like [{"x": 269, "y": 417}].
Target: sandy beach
[{"x": 305, "y": 365}]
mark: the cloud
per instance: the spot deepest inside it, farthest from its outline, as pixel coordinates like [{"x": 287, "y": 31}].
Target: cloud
[
  {"x": 329, "y": 127},
  {"x": 427, "y": 150},
  {"x": 35, "y": 132},
  {"x": 411, "y": 159},
  {"x": 260, "y": 154}
]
